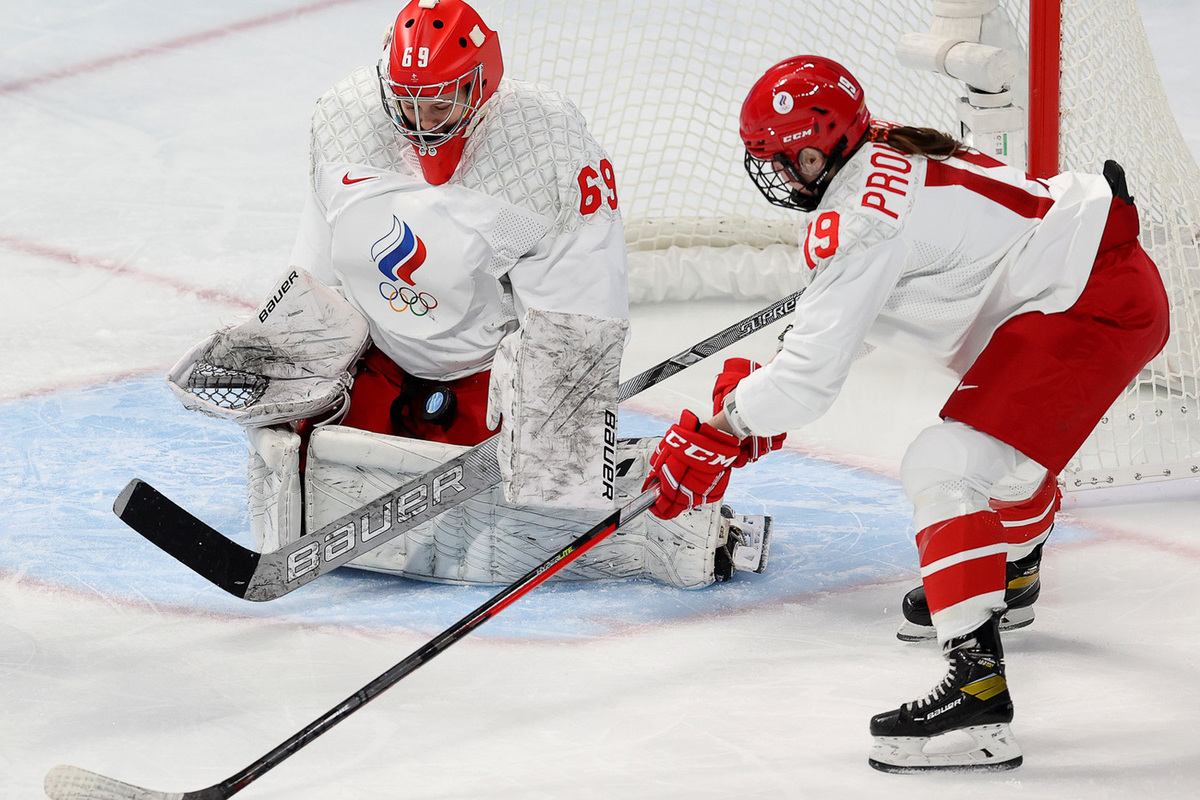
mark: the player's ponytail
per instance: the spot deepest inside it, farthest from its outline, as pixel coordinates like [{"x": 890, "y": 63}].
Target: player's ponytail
[{"x": 928, "y": 142}]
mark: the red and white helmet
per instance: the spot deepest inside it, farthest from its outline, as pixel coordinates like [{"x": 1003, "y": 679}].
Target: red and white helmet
[
  {"x": 804, "y": 101},
  {"x": 438, "y": 50}
]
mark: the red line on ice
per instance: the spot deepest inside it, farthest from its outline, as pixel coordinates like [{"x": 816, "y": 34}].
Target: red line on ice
[
  {"x": 67, "y": 257},
  {"x": 171, "y": 44}
]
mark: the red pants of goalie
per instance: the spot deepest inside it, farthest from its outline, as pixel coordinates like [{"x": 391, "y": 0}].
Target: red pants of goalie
[{"x": 385, "y": 399}]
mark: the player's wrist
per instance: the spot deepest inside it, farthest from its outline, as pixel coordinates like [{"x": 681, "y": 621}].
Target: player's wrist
[{"x": 734, "y": 422}]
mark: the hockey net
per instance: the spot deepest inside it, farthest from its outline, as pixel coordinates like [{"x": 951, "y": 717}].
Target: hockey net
[{"x": 661, "y": 84}]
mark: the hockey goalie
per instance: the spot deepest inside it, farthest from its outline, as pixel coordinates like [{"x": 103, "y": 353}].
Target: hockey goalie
[{"x": 460, "y": 271}]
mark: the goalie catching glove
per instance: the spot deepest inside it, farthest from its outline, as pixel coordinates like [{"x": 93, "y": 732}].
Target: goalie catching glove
[
  {"x": 754, "y": 447},
  {"x": 290, "y": 361},
  {"x": 692, "y": 465}
]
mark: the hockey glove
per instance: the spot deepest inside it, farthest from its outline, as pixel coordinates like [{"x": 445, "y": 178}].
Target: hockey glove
[
  {"x": 692, "y": 465},
  {"x": 754, "y": 447}
]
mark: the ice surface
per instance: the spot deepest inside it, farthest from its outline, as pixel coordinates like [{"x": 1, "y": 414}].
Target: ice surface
[{"x": 147, "y": 197}]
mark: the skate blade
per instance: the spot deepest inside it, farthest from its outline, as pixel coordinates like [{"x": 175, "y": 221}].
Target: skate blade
[
  {"x": 994, "y": 748},
  {"x": 1013, "y": 619}
]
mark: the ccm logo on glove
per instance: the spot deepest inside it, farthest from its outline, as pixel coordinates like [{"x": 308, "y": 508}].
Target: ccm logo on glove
[
  {"x": 696, "y": 452},
  {"x": 691, "y": 466}
]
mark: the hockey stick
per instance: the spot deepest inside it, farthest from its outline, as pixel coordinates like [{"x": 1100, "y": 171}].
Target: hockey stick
[
  {"x": 266, "y": 576},
  {"x": 72, "y": 783}
]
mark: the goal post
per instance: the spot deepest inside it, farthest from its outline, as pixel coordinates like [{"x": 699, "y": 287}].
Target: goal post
[
  {"x": 662, "y": 82},
  {"x": 1045, "y": 56}
]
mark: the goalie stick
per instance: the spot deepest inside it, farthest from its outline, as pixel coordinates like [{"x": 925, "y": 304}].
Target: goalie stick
[
  {"x": 266, "y": 576},
  {"x": 72, "y": 783}
]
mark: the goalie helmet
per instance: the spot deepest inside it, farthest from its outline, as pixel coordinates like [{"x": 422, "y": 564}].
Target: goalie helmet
[
  {"x": 804, "y": 101},
  {"x": 440, "y": 64}
]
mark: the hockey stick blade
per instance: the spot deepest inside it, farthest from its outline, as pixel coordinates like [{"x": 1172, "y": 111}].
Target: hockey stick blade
[
  {"x": 267, "y": 576},
  {"x": 73, "y": 783},
  {"x": 175, "y": 531}
]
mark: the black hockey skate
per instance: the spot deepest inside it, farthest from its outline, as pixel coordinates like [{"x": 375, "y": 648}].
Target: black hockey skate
[
  {"x": 1022, "y": 589},
  {"x": 972, "y": 699}
]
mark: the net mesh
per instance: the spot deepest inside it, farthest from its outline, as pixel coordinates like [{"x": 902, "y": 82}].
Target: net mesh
[
  {"x": 1113, "y": 106},
  {"x": 661, "y": 85},
  {"x": 224, "y": 387}
]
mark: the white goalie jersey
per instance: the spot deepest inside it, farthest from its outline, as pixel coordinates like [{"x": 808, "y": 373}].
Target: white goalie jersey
[{"x": 528, "y": 220}]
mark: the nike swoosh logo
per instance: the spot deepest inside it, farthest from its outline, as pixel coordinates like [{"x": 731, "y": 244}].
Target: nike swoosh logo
[
  {"x": 962, "y": 386},
  {"x": 346, "y": 179}
]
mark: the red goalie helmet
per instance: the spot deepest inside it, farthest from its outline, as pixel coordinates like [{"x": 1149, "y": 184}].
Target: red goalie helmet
[
  {"x": 805, "y": 101},
  {"x": 441, "y": 63}
]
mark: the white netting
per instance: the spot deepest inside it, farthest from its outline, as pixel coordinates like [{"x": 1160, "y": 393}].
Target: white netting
[
  {"x": 661, "y": 85},
  {"x": 1113, "y": 106}
]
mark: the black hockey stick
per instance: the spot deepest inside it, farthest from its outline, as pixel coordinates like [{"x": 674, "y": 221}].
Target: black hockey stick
[
  {"x": 72, "y": 783},
  {"x": 265, "y": 576}
]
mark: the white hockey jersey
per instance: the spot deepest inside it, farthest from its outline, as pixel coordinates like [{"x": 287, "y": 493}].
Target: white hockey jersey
[
  {"x": 925, "y": 255},
  {"x": 443, "y": 273}
]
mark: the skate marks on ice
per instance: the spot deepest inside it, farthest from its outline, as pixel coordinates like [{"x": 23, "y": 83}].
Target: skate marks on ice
[
  {"x": 17, "y": 649},
  {"x": 65, "y": 457}
]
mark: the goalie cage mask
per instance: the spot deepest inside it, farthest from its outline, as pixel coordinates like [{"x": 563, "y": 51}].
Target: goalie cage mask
[
  {"x": 804, "y": 101},
  {"x": 439, "y": 59}
]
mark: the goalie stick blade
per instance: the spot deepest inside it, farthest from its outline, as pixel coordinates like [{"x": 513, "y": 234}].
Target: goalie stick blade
[
  {"x": 72, "y": 783},
  {"x": 191, "y": 542}
]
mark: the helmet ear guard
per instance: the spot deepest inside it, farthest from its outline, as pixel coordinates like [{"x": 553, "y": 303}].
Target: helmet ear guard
[{"x": 800, "y": 103}]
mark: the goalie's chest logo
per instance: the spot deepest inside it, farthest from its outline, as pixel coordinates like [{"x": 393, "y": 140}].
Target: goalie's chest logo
[{"x": 399, "y": 253}]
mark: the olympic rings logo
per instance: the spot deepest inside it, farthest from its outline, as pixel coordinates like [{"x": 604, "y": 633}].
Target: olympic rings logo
[{"x": 419, "y": 303}]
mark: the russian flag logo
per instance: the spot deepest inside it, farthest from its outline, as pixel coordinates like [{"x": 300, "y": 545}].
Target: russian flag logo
[{"x": 400, "y": 253}]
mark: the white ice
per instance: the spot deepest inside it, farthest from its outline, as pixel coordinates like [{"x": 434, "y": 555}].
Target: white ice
[{"x": 153, "y": 196}]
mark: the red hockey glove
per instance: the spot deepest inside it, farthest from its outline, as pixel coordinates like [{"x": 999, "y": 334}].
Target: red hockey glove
[
  {"x": 754, "y": 447},
  {"x": 692, "y": 465}
]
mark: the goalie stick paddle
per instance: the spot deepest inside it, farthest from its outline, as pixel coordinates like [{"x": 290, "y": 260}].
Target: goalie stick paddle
[
  {"x": 72, "y": 783},
  {"x": 266, "y": 576}
]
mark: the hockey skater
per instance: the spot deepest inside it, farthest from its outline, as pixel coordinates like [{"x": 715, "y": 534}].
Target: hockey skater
[
  {"x": 460, "y": 269},
  {"x": 1036, "y": 292}
]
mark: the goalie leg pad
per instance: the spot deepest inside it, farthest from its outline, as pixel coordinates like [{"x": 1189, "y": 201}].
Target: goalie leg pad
[
  {"x": 488, "y": 540},
  {"x": 705, "y": 544},
  {"x": 273, "y": 487},
  {"x": 482, "y": 540}
]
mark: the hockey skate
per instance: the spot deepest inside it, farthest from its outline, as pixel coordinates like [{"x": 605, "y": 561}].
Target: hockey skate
[
  {"x": 972, "y": 699},
  {"x": 746, "y": 546},
  {"x": 1021, "y": 591}
]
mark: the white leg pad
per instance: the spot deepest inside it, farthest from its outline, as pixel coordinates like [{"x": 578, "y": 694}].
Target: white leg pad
[
  {"x": 273, "y": 487},
  {"x": 486, "y": 540}
]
